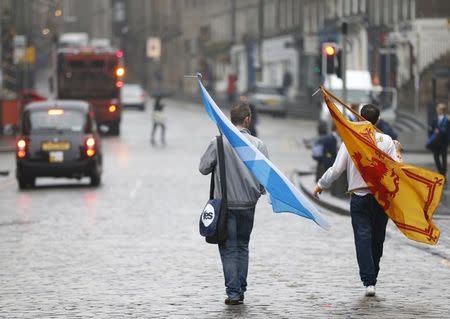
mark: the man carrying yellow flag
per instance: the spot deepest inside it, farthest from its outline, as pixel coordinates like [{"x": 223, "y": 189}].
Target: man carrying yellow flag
[{"x": 380, "y": 186}]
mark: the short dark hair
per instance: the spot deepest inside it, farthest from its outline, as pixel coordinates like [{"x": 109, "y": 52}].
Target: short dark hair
[
  {"x": 239, "y": 112},
  {"x": 371, "y": 113}
]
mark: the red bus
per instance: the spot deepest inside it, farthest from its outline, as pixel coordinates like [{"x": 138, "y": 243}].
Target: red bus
[{"x": 94, "y": 75}]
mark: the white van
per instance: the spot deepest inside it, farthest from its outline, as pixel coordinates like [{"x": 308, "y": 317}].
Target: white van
[{"x": 361, "y": 91}]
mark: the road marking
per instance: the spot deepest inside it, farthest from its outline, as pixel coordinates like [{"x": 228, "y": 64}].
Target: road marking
[{"x": 135, "y": 188}]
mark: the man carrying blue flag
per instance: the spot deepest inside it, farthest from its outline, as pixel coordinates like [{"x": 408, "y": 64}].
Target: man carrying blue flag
[{"x": 243, "y": 192}]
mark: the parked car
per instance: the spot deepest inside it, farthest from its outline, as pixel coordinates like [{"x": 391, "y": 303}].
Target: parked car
[
  {"x": 58, "y": 139},
  {"x": 268, "y": 99},
  {"x": 133, "y": 95}
]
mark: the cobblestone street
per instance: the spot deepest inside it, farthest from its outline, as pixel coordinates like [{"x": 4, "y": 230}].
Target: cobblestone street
[{"x": 131, "y": 248}]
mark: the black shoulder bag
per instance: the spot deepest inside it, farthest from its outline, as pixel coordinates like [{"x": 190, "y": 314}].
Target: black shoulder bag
[{"x": 213, "y": 219}]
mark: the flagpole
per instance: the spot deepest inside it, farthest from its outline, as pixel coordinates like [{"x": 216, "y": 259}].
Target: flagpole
[
  {"x": 199, "y": 77},
  {"x": 342, "y": 103},
  {"x": 347, "y": 106}
]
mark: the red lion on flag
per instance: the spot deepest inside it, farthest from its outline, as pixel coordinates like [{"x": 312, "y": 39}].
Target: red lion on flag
[{"x": 375, "y": 174}]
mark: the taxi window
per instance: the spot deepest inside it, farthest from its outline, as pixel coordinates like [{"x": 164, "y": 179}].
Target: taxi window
[{"x": 56, "y": 119}]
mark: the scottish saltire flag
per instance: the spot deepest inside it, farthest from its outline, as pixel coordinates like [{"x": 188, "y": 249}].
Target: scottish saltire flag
[
  {"x": 284, "y": 196},
  {"x": 408, "y": 194}
]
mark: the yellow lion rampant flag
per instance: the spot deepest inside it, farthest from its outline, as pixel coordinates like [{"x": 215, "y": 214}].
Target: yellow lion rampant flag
[{"x": 409, "y": 195}]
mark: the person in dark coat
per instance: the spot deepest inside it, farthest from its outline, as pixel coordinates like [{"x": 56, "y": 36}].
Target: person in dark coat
[
  {"x": 440, "y": 127},
  {"x": 328, "y": 147},
  {"x": 384, "y": 127}
]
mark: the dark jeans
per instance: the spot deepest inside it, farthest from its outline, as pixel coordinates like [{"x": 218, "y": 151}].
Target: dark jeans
[
  {"x": 163, "y": 132},
  {"x": 369, "y": 228},
  {"x": 234, "y": 251},
  {"x": 440, "y": 158}
]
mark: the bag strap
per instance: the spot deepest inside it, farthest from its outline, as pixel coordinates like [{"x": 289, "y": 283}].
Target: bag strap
[
  {"x": 211, "y": 186},
  {"x": 223, "y": 176}
]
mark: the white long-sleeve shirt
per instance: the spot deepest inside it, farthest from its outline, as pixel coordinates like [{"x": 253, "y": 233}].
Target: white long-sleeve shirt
[{"x": 356, "y": 183}]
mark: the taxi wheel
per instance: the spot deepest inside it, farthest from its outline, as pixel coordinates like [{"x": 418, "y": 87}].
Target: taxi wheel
[
  {"x": 26, "y": 182},
  {"x": 95, "y": 179},
  {"x": 114, "y": 129}
]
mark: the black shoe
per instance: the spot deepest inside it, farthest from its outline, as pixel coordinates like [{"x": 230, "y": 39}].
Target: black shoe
[
  {"x": 232, "y": 302},
  {"x": 241, "y": 297}
]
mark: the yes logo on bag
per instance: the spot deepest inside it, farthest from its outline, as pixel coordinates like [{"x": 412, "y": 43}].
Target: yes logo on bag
[{"x": 210, "y": 217}]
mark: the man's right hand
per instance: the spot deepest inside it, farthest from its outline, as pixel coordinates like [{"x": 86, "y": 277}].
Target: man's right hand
[{"x": 317, "y": 191}]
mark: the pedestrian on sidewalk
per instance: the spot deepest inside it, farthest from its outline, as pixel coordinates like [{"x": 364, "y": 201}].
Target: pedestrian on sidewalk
[
  {"x": 368, "y": 218},
  {"x": 287, "y": 82},
  {"x": 324, "y": 151},
  {"x": 243, "y": 192},
  {"x": 159, "y": 120},
  {"x": 440, "y": 127},
  {"x": 231, "y": 88}
]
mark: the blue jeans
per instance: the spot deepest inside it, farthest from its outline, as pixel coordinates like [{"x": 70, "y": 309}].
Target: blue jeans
[
  {"x": 369, "y": 228},
  {"x": 234, "y": 251}
]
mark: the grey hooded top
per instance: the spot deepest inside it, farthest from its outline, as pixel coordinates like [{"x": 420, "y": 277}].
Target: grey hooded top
[{"x": 243, "y": 189}]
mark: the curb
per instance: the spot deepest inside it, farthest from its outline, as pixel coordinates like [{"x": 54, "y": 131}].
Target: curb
[{"x": 325, "y": 200}]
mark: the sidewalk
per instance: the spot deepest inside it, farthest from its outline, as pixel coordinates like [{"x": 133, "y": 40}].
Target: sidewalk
[{"x": 342, "y": 206}]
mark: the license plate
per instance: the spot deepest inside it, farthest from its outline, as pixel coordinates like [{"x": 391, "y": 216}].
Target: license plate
[
  {"x": 55, "y": 146},
  {"x": 272, "y": 102},
  {"x": 56, "y": 156}
]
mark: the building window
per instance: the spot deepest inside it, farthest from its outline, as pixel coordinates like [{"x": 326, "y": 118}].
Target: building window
[
  {"x": 347, "y": 8},
  {"x": 376, "y": 10},
  {"x": 314, "y": 18},
  {"x": 306, "y": 19},
  {"x": 277, "y": 15},
  {"x": 269, "y": 15},
  {"x": 187, "y": 46},
  {"x": 283, "y": 17},
  {"x": 412, "y": 10},
  {"x": 386, "y": 5},
  {"x": 362, "y": 6},
  {"x": 395, "y": 15},
  {"x": 320, "y": 14},
  {"x": 355, "y": 6},
  {"x": 339, "y": 7},
  {"x": 289, "y": 14},
  {"x": 330, "y": 9},
  {"x": 405, "y": 9},
  {"x": 296, "y": 11}
]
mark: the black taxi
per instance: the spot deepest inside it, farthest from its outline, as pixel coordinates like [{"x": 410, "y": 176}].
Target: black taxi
[{"x": 58, "y": 139}]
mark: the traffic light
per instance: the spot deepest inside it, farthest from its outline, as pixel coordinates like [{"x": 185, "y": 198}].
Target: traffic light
[
  {"x": 329, "y": 53},
  {"x": 339, "y": 64},
  {"x": 120, "y": 71}
]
